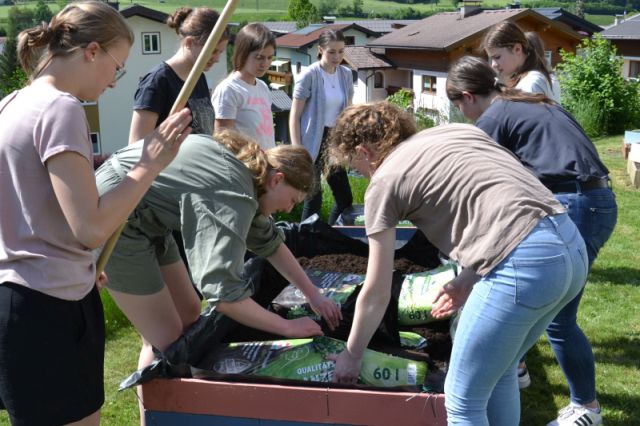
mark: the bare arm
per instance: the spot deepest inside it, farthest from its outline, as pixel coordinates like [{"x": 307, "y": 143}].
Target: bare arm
[
  {"x": 93, "y": 219},
  {"x": 285, "y": 263},
  {"x": 249, "y": 313},
  {"x": 370, "y": 306},
  {"x": 142, "y": 123},
  {"x": 297, "y": 106},
  {"x": 221, "y": 124}
]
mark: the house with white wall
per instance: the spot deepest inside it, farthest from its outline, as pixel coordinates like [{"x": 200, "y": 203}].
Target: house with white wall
[
  {"x": 625, "y": 36},
  {"x": 422, "y": 52},
  {"x": 300, "y": 47},
  {"x": 154, "y": 42},
  {"x": 374, "y": 73}
]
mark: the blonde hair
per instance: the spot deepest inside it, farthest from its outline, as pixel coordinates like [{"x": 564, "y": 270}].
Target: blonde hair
[
  {"x": 196, "y": 23},
  {"x": 293, "y": 161},
  {"x": 74, "y": 27},
  {"x": 381, "y": 125}
]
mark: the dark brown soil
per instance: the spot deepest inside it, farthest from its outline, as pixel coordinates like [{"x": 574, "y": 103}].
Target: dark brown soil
[
  {"x": 348, "y": 263},
  {"x": 438, "y": 350}
]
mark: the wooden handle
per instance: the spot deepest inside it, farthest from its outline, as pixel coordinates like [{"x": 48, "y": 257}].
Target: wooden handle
[
  {"x": 180, "y": 102},
  {"x": 205, "y": 55}
]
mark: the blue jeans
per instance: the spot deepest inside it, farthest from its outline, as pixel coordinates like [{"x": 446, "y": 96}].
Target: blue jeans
[
  {"x": 505, "y": 314},
  {"x": 595, "y": 214}
]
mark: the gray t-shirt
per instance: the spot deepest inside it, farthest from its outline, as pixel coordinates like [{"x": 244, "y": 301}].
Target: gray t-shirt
[
  {"x": 209, "y": 195},
  {"x": 470, "y": 197}
]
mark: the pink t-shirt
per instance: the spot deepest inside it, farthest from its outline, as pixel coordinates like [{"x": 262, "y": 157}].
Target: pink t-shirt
[{"x": 37, "y": 247}]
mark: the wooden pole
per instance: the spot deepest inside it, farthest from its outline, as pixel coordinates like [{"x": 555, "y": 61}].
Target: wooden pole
[{"x": 181, "y": 101}]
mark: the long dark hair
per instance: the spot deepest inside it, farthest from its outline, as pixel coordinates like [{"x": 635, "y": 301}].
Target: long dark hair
[
  {"x": 328, "y": 36},
  {"x": 474, "y": 75},
  {"x": 507, "y": 34}
]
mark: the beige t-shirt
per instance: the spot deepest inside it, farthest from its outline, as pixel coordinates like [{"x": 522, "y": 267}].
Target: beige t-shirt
[{"x": 471, "y": 197}]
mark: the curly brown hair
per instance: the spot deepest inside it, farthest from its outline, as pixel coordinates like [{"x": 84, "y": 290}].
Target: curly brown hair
[
  {"x": 380, "y": 125},
  {"x": 293, "y": 161}
]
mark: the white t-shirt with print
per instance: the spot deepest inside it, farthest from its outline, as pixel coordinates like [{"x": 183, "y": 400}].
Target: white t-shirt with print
[{"x": 249, "y": 105}]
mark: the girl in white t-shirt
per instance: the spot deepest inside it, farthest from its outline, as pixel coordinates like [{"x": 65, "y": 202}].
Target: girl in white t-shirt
[
  {"x": 242, "y": 101},
  {"x": 320, "y": 94},
  {"x": 519, "y": 63},
  {"x": 51, "y": 215}
]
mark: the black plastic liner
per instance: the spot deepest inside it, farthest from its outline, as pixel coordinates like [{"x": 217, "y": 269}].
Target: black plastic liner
[{"x": 307, "y": 239}]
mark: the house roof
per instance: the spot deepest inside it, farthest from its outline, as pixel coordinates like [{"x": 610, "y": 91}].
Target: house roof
[
  {"x": 574, "y": 21},
  {"x": 380, "y": 26},
  {"x": 626, "y": 30},
  {"x": 281, "y": 27},
  {"x": 145, "y": 12},
  {"x": 362, "y": 58},
  {"x": 445, "y": 31},
  {"x": 309, "y": 35},
  {"x": 281, "y": 101}
]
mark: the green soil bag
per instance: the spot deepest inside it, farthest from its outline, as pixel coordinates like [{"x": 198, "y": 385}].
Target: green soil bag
[
  {"x": 417, "y": 294},
  {"x": 305, "y": 360}
]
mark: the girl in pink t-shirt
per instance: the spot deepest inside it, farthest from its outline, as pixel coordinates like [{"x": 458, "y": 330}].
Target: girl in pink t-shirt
[{"x": 51, "y": 216}]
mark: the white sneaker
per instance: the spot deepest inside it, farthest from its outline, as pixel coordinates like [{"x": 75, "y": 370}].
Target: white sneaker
[
  {"x": 576, "y": 415},
  {"x": 524, "y": 380}
]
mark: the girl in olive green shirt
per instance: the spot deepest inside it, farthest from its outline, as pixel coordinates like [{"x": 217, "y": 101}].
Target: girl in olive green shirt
[{"x": 220, "y": 194}]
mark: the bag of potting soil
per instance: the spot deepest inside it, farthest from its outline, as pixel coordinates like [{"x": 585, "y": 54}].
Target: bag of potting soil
[
  {"x": 336, "y": 286},
  {"x": 306, "y": 360},
  {"x": 417, "y": 294},
  {"x": 410, "y": 340}
]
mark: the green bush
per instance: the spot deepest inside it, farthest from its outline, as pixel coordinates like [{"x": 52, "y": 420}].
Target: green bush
[
  {"x": 590, "y": 116},
  {"x": 592, "y": 83}
]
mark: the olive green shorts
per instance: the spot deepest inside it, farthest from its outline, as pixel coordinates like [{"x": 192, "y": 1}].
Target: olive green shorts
[{"x": 144, "y": 245}]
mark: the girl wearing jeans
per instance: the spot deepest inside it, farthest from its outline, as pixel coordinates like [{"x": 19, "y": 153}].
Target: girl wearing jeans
[
  {"x": 523, "y": 258},
  {"x": 553, "y": 146}
]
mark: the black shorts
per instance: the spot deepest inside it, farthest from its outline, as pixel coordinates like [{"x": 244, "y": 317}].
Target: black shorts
[{"x": 51, "y": 356}]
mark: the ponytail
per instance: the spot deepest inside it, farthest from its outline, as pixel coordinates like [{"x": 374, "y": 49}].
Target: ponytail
[{"x": 293, "y": 161}]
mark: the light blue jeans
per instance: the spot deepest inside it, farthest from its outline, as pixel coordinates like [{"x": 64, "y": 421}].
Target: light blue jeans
[{"x": 505, "y": 314}]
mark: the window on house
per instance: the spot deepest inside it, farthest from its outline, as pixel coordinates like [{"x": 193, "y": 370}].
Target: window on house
[
  {"x": 349, "y": 40},
  {"x": 95, "y": 143},
  {"x": 429, "y": 84},
  {"x": 634, "y": 69},
  {"x": 150, "y": 43},
  {"x": 298, "y": 67},
  {"x": 354, "y": 76},
  {"x": 378, "y": 80}
]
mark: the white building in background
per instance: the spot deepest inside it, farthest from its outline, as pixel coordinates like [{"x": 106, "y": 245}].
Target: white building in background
[{"x": 154, "y": 42}]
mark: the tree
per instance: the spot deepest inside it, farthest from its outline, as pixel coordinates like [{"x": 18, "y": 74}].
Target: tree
[
  {"x": 303, "y": 12},
  {"x": 580, "y": 8},
  {"x": 357, "y": 7},
  {"x": 327, "y": 7},
  {"x": 11, "y": 75},
  {"x": 595, "y": 92},
  {"x": 42, "y": 12}
]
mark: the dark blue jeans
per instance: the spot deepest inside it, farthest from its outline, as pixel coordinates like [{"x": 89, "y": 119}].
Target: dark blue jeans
[
  {"x": 595, "y": 214},
  {"x": 337, "y": 180}
]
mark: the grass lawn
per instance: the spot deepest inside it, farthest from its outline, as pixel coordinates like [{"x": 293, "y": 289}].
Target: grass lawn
[{"x": 609, "y": 315}]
